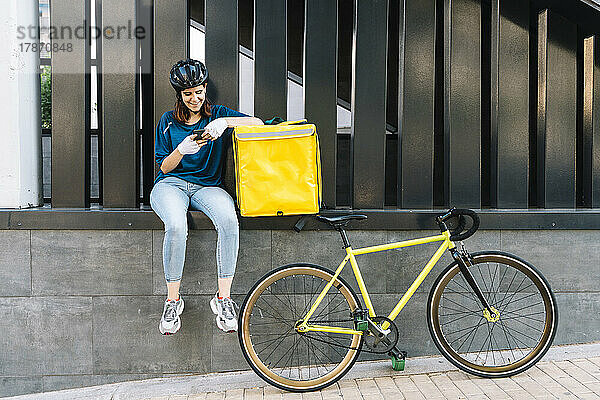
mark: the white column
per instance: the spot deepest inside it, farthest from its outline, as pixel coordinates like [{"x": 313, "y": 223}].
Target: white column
[{"x": 20, "y": 114}]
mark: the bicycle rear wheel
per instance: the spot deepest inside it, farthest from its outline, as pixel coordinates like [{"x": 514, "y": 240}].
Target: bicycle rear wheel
[
  {"x": 483, "y": 345},
  {"x": 280, "y": 355}
]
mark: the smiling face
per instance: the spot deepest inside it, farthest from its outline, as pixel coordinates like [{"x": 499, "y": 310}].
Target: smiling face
[{"x": 194, "y": 97}]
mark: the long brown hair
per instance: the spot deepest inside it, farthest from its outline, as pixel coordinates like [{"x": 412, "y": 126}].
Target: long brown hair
[{"x": 182, "y": 113}]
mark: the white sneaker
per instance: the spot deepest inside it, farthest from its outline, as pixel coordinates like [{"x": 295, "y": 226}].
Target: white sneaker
[
  {"x": 225, "y": 311},
  {"x": 170, "y": 321}
]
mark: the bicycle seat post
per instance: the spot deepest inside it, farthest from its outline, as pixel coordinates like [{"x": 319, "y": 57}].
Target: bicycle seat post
[
  {"x": 342, "y": 231},
  {"x": 338, "y": 223}
]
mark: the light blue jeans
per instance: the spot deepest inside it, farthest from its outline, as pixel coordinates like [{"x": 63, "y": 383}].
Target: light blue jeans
[{"x": 170, "y": 199}]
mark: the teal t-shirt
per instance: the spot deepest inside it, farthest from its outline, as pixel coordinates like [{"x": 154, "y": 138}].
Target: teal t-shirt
[{"x": 206, "y": 166}]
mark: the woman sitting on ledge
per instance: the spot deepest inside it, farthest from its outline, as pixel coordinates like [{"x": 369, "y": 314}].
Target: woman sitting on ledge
[{"x": 191, "y": 170}]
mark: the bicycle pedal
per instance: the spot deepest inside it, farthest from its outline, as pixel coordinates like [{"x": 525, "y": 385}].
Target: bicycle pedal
[
  {"x": 398, "y": 363},
  {"x": 361, "y": 322},
  {"x": 398, "y": 358}
]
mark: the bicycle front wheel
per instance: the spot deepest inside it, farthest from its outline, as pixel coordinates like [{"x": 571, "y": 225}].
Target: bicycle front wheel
[
  {"x": 276, "y": 351},
  {"x": 487, "y": 345}
]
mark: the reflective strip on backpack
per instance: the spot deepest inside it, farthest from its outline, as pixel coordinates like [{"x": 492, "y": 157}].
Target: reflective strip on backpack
[{"x": 268, "y": 135}]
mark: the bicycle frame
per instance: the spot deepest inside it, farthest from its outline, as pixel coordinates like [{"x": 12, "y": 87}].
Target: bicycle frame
[{"x": 351, "y": 256}]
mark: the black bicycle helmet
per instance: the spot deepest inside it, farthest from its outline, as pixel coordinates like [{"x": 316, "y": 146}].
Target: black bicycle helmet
[{"x": 188, "y": 73}]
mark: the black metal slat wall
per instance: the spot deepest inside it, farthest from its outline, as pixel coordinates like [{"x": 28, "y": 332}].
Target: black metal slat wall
[
  {"x": 585, "y": 97},
  {"x": 368, "y": 103},
  {"x": 99, "y": 103},
  {"x": 70, "y": 108},
  {"x": 557, "y": 119},
  {"x": 510, "y": 116},
  {"x": 222, "y": 52},
  {"x": 120, "y": 139},
  {"x": 145, "y": 65},
  {"x": 595, "y": 124},
  {"x": 270, "y": 59},
  {"x": 543, "y": 95},
  {"x": 464, "y": 97},
  {"x": 171, "y": 43},
  {"x": 320, "y": 89},
  {"x": 222, "y": 61},
  {"x": 416, "y": 100}
]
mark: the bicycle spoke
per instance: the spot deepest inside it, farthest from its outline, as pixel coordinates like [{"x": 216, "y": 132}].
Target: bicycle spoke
[
  {"x": 275, "y": 296},
  {"x": 330, "y": 339},
  {"x": 484, "y": 342},
  {"x": 469, "y": 290},
  {"x": 516, "y": 339},
  {"x": 466, "y": 334},
  {"x": 454, "y": 320},
  {"x": 474, "y": 331},
  {"x": 508, "y": 288},
  {"x": 464, "y": 295},
  {"x": 274, "y": 309},
  {"x": 292, "y": 308},
  {"x": 313, "y": 293},
  {"x": 283, "y": 356},
  {"x": 472, "y": 311},
  {"x": 327, "y": 356},
  {"x": 491, "y": 290},
  {"x": 326, "y": 308},
  {"x": 459, "y": 311},
  {"x": 332, "y": 347},
  {"x": 511, "y": 301},
  {"x": 502, "y": 303},
  {"x": 290, "y": 361},
  {"x": 507, "y": 340},
  {"x": 523, "y": 308},
  {"x": 489, "y": 346},
  {"x": 527, "y": 325},
  {"x": 272, "y": 323},
  {"x": 283, "y": 336},
  {"x": 272, "y": 340},
  {"x": 482, "y": 280}
]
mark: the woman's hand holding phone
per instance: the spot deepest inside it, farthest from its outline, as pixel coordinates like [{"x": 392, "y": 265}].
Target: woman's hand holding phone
[
  {"x": 188, "y": 146},
  {"x": 216, "y": 127},
  {"x": 202, "y": 137}
]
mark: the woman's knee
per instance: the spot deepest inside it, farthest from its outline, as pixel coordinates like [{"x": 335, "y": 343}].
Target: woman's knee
[
  {"x": 176, "y": 227},
  {"x": 228, "y": 223}
]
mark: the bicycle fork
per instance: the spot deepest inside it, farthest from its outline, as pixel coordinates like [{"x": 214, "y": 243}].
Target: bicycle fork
[{"x": 463, "y": 259}]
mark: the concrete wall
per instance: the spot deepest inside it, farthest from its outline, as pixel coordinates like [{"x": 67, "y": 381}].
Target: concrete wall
[{"x": 81, "y": 308}]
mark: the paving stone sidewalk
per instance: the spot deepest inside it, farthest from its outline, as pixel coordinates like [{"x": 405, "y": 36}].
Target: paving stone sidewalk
[
  {"x": 565, "y": 372},
  {"x": 572, "y": 379}
]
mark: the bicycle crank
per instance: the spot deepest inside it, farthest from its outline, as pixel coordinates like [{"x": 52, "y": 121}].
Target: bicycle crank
[{"x": 380, "y": 340}]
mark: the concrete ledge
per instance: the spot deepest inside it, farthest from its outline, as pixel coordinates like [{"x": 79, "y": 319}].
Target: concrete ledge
[{"x": 391, "y": 219}]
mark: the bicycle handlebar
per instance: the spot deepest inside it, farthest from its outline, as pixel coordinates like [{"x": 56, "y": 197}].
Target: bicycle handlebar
[{"x": 455, "y": 234}]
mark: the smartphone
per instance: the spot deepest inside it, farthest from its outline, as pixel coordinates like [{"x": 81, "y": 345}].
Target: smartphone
[
  {"x": 201, "y": 136},
  {"x": 199, "y": 133}
]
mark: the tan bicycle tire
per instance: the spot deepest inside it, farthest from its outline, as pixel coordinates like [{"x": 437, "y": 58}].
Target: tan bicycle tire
[
  {"x": 245, "y": 337},
  {"x": 550, "y": 319}
]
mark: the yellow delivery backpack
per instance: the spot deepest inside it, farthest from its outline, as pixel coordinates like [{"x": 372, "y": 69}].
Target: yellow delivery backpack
[{"x": 278, "y": 169}]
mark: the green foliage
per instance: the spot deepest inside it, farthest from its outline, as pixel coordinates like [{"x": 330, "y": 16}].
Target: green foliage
[{"x": 46, "y": 98}]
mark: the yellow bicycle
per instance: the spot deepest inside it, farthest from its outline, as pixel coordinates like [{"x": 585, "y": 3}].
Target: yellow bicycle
[{"x": 490, "y": 313}]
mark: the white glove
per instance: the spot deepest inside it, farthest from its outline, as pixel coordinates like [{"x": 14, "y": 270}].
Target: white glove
[
  {"x": 188, "y": 146},
  {"x": 216, "y": 127}
]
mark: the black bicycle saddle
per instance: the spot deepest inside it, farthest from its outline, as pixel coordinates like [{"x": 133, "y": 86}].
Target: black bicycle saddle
[{"x": 340, "y": 220}]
